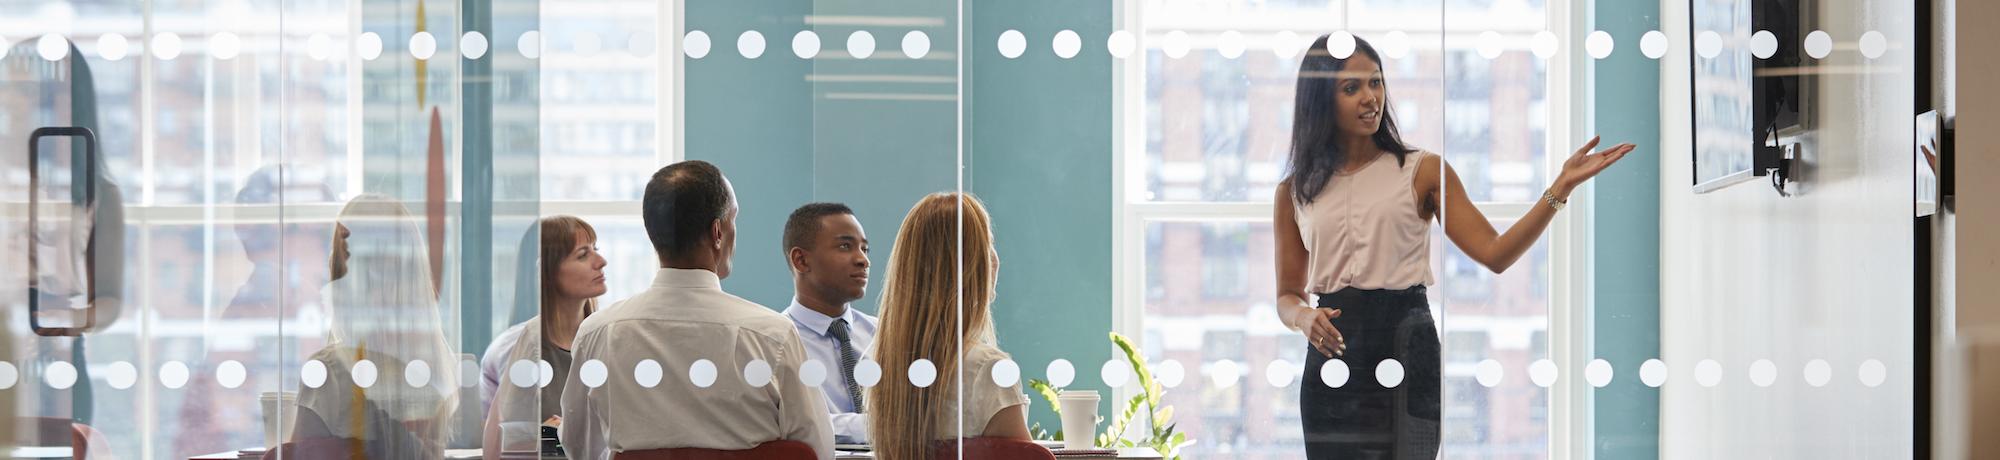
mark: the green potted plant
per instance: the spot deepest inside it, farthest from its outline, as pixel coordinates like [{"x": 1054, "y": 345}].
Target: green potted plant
[{"x": 1162, "y": 437}]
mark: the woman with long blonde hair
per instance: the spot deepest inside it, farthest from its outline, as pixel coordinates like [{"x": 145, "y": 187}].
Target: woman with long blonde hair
[{"x": 935, "y": 307}]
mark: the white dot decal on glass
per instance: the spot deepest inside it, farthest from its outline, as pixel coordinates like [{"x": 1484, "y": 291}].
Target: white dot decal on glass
[
  {"x": 1763, "y": 373},
  {"x": 230, "y": 374},
  {"x": 1066, "y": 44},
  {"x": 1819, "y": 44},
  {"x": 369, "y": 46},
  {"x": 1873, "y": 44},
  {"x": 114, "y": 47},
  {"x": 593, "y": 373},
  {"x": 641, "y": 44},
  {"x": 812, "y": 373},
  {"x": 1599, "y": 44},
  {"x": 1279, "y": 373},
  {"x": 1708, "y": 44},
  {"x": 1598, "y": 373},
  {"x": 547, "y": 374},
  {"x": 923, "y": 373},
  {"x": 1115, "y": 373},
  {"x": 363, "y": 372},
  {"x": 1120, "y": 44},
  {"x": 805, "y": 44},
  {"x": 1285, "y": 44},
  {"x": 529, "y": 45},
  {"x": 1061, "y": 373},
  {"x": 52, "y": 47},
  {"x": 8, "y": 374},
  {"x": 1542, "y": 372},
  {"x": 423, "y": 45},
  {"x": 1489, "y": 45},
  {"x": 1818, "y": 373},
  {"x": 1708, "y": 373},
  {"x": 1489, "y": 373},
  {"x": 472, "y": 46},
  {"x": 867, "y": 373},
  {"x": 226, "y": 46},
  {"x": 1340, "y": 44},
  {"x": 750, "y": 44},
  {"x": 1544, "y": 44},
  {"x": 318, "y": 47},
  {"x": 1175, "y": 44},
  {"x": 695, "y": 45},
  {"x": 757, "y": 373},
  {"x": 1763, "y": 44},
  {"x": 916, "y": 44},
  {"x": 174, "y": 375},
  {"x": 1006, "y": 373},
  {"x": 861, "y": 44},
  {"x": 1170, "y": 373},
  {"x": 702, "y": 373},
  {"x": 1653, "y": 44},
  {"x": 1333, "y": 373},
  {"x": 1012, "y": 44},
  {"x": 522, "y": 373},
  {"x": 1653, "y": 373},
  {"x": 60, "y": 375},
  {"x": 648, "y": 373},
  {"x": 313, "y": 374},
  {"x": 121, "y": 375},
  {"x": 1389, "y": 373},
  {"x": 1224, "y": 373},
  {"x": 586, "y": 43},
  {"x": 467, "y": 367},
  {"x": 1229, "y": 45},
  {"x": 417, "y": 374},
  {"x": 1873, "y": 373},
  {"x": 1395, "y": 44}
]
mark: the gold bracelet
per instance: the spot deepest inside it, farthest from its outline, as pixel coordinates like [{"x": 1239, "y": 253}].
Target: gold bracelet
[{"x": 1549, "y": 196}]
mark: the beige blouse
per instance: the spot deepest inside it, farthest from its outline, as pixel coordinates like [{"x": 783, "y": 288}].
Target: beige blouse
[{"x": 1364, "y": 230}]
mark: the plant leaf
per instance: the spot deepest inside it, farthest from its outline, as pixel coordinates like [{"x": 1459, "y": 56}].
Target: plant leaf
[
  {"x": 1138, "y": 361},
  {"x": 1049, "y": 393}
]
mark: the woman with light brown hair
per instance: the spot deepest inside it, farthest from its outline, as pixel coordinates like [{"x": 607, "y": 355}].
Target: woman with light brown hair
[
  {"x": 571, "y": 274},
  {"x": 935, "y": 307}
]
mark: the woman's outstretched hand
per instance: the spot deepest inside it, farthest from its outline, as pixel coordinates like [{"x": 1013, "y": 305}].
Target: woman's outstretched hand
[{"x": 1583, "y": 165}]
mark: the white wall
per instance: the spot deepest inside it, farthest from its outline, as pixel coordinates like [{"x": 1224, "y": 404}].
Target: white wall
[{"x": 1747, "y": 275}]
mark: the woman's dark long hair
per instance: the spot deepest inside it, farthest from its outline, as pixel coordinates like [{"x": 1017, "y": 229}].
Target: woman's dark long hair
[{"x": 1317, "y": 147}]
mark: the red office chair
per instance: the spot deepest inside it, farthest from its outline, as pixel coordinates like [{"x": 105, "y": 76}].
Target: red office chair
[
  {"x": 991, "y": 448},
  {"x": 318, "y": 449},
  {"x": 774, "y": 450}
]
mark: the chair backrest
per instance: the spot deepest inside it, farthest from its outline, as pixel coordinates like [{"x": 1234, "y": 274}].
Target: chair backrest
[
  {"x": 994, "y": 448},
  {"x": 774, "y": 450},
  {"x": 317, "y": 449}
]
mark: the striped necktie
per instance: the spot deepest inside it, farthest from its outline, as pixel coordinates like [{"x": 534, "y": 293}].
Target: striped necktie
[{"x": 848, "y": 357}]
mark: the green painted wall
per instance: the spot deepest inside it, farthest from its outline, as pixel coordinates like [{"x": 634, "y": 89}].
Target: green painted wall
[{"x": 1626, "y": 108}]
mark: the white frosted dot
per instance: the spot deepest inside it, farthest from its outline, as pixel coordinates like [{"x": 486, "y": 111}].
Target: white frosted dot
[
  {"x": 114, "y": 47},
  {"x": 1395, "y": 44},
  {"x": 1389, "y": 373},
  {"x": 363, "y": 372},
  {"x": 1489, "y": 45},
  {"x": 1175, "y": 44},
  {"x": 642, "y": 44},
  {"x": 750, "y": 44},
  {"x": 1224, "y": 373},
  {"x": 1873, "y": 44},
  {"x": 1285, "y": 44},
  {"x": 1708, "y": 373},
  {"x": 173, "y": 375},
  {"x": 522, "y": 373},
  {"x": 812, "y": 373},
  {"x": 648, "y": 373},
  {"x": 1873, "y": 373},
  {"x": 757, "y": 373},
  {"x": 1599, "y": 44},
  {"x": 805, "y": 44},
  {"x": 121, "y": 375},
  {"x": 1818, "y": 373},
  {"x": 1061, "y": 373},
  {"x": 1763, "y": 44},
  {"x": 1229, "y": 45},
  {"x": 695, "y": 45},
  {"x": 1006, "y": 373},
  {"x": 1653, "y": 373},
  {"x": 1170, "y": 373},
  {"x": 1543, "y": 373},
  {"x": 1066, "y": 44},
  {"x": 369, "y": 46},
  {"x": 923, "y": 373},
  {"x": 1598, "y": 373},
  {"x": 1653, "y": 44},
  {"x": 916, "y": 44},
  {"x": 1544, "y": 44},
  {"x": 1120, "y": 44},
  {"x": 1763, "y": 373},
  {"x": 861, "y": 44},
  {"x": 586, "y": 43},
  {"x": 60, "y": 375},
  {"x": 1333, "y": 373},
  {"x": 867, "y": 373},
  {"x": 702, "y": 373},
  {"x": 423, "y": 45},
  {"x": 1012, "y": 44},
  {"x": 1115, "y": 373},
  {"x": 313, "y": 374},
  {"x": 1279, "y": 373},
  {"x": 1819, "y": 44},
  {"x": 319, "y": 47},
  {"x": 417, "y": 374},
  {"x": 230, "y": 374},
  {"x": 8, "y": 374},
  {"x": 1489, "y": 373},
  {"x": 52, "y": 47},
  {"x": 547, "y": 374},
  {"x": 1708, "y": 44},
  {"x": 467, "y": 367},
  {"x": 529, "y": 45},
  {"x": 1340, "y": 44},
  {"x": 472, "y": 46},
  {"x": 593, "y": 374}
]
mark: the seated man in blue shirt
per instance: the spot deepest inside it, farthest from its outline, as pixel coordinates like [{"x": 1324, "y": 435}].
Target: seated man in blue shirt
[{"x": 828, "y": 255}]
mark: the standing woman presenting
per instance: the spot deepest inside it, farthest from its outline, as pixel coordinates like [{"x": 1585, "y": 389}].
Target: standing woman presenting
[{"x": 1352, "y": 275}]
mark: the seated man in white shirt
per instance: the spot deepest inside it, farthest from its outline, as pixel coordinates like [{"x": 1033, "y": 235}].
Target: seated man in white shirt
[
  {"x": 684, "y": 364},
  {"x": 828, "y": 254}
]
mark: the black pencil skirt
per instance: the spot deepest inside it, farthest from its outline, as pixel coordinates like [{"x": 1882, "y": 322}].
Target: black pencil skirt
[{"x": 1361, "y": 418}]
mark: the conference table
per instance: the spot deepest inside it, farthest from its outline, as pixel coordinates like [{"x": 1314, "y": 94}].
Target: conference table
[{"x": 1137, "y": 453}]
